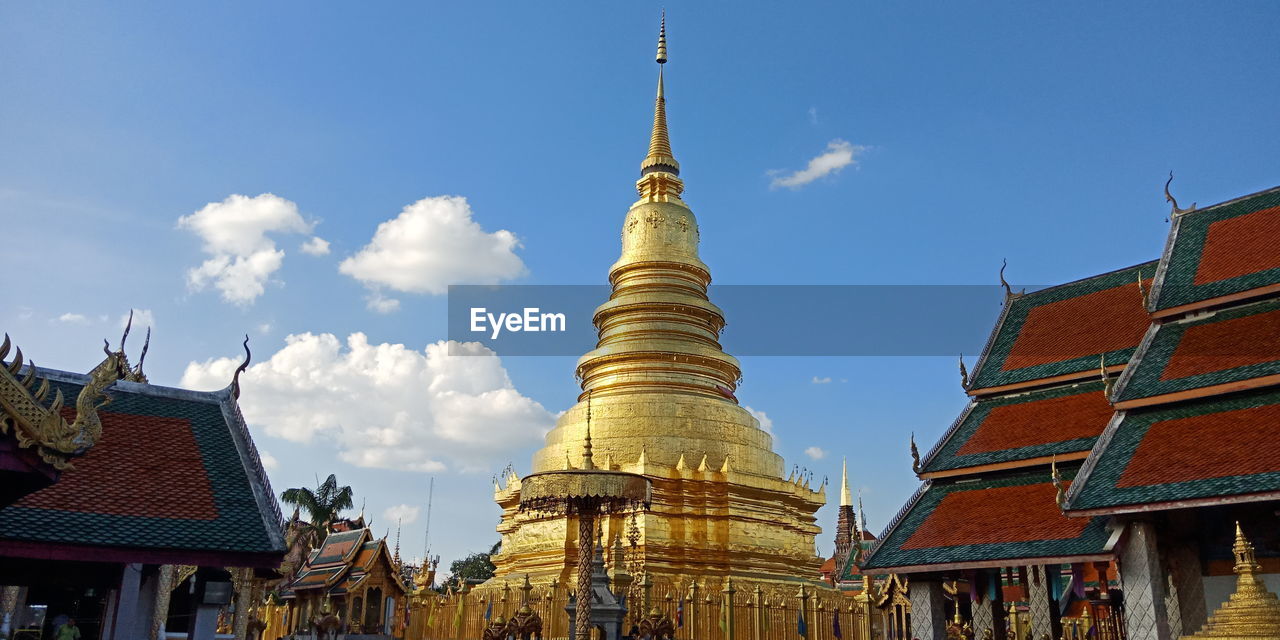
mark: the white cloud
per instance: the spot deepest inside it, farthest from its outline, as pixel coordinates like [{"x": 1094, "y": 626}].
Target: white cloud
[
  {"x": 402, "y": 513},
  {"x": 813, "y": 115},
  {"x": 385, "y": 405},
  {"x": 142, "y": 318},
  {"x": 826, "y": 380},
  {"x": 264, "y": 328},
  {"x": 269, "y": 461},
  {"x": 375, "y": 301},
  {"x": 235, "y": 235},
  {"x": 316, "y": 246},
  {"x": 815, "y": 452},
  {"x": 73, "y": 318},
  {"x": 839, "y": 154},
  {"x": 432, "y": 244},
  {"x": 766, "y": 424}
]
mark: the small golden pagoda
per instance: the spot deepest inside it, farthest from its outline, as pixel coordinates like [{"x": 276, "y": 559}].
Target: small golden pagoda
[
  {"x": 663, "y": 405},
  {"x": 1252, "y": 611}
]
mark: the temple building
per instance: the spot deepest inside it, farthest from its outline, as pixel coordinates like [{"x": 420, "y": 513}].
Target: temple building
[
  {"x": 353, "y": 576},
  {"x": 660, "y": 394},
  {"x": 148, "y": 508},
  {"x": 1122, "y": 423}
]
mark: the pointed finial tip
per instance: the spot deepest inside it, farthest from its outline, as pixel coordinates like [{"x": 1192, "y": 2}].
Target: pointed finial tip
[{"x": 662, "y": 39}]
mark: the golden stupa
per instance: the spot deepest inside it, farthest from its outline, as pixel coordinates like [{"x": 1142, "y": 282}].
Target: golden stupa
[
  {"x": 1252, "y": 612},
  {"x": 661, "y": 395}
]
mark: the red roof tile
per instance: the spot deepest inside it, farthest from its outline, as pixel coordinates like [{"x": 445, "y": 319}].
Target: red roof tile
[
  {"x": 1217, "y": 346},
  {"x": 1214, "y": 445},
  {"x": 1240, "y": 246},
  {"x": 1019, "y": 513},
  {"x": 164, "y": 472},
  {"x": 1100, "y": 322},
  {"x": 1083, "y": 415}
]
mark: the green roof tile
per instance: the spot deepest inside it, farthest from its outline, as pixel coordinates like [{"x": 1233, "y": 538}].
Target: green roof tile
[
  {"x": 1205, "y": 362},
  {"x": 1215, "y": 448},
  {"x": 951, "y": 454},
  {"x": 1002, "y": 524},
  {"x": 1068, "y": 358},
  {"x": 1176, "y": 283}
]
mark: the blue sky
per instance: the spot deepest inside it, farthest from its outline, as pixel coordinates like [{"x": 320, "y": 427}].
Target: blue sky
[{"x": 1037, "y": 132}]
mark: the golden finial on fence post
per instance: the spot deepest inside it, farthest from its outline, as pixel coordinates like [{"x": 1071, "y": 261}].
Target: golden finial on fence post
[{"x": 728, "y": 605}]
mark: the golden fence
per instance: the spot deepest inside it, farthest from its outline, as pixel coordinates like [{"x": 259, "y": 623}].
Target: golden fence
[{"x": 767, "y": 612}]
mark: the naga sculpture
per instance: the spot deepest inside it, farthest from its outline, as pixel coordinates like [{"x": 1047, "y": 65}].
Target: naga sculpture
[{"x": 43, "y": 428}]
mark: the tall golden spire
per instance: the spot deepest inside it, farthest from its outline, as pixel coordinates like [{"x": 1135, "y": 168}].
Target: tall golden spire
[
  {"x": 846, "y": 497},
  {"x": 660, "y": 160}
]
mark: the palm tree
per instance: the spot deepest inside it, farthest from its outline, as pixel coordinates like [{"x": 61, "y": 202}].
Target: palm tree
[{"x": 322, "y": 505}]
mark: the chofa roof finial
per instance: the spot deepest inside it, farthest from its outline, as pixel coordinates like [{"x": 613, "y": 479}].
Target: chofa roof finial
[
  {"x": 1168, "y": 197},
  {"x": 915, "y": 456},
  {"x": 235, "y": 380},
  {"x": 1008, "y": 290},
  {"x": 127, "y": 326}
]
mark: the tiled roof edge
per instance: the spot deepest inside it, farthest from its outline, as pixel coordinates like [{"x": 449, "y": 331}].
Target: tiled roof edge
[
  {"x": 1157, "y": 283},
  {"x": 897, "y": 520},
  {"x": 268, "y": 507},
  {"x": 1086, "y": 470},
  {"x": 1230, "y": 202},
  {"x": 1131, "y": 366},
  {"x": 991, "y": 340},
  {"x": 955, "y": 426}
]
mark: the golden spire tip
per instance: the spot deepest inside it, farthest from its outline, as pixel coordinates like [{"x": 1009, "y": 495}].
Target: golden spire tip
[
  {"x": 660, "y": 158},
  {"x": 662, "y": 39}
]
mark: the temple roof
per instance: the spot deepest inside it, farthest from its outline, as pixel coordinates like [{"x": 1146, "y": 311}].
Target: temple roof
[
  {"x": 1223, "y": 250},
  {"x": 174, "y": 478},
  {"x": 1204, "y": 354},
  {"x": 1022, "y": 427},
  {"x": 1061, "y": 332},
  {"x": 986, "y": 522},
  {"x": 344, "y": 561},
  {"x": 1203, "y": 452},
  {"x": 339, "y": 547}
]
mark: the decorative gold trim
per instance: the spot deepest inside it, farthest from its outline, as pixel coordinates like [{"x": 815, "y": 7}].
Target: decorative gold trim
[{"x": 43, "y": 428}]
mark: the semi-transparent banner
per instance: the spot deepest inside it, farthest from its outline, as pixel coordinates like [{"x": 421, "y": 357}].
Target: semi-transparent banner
[{"x": 761, "y": 320}]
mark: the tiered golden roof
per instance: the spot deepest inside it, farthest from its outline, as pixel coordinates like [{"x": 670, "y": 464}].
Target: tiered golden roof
[{"x": 1252, "y": 612}]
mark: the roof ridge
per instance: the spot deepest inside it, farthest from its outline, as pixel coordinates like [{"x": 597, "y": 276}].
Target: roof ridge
[
  {"x": 141, "y": 388},
  {"x": 1230, "y": 202}
]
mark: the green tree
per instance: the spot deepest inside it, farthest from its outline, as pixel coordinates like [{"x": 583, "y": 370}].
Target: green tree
[
  {"x": 476, "y": 566},
  {"x": 322, "y": 506}
]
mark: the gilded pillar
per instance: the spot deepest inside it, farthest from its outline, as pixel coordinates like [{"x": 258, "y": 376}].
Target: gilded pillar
[{"x": 1142, "y": 576}]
